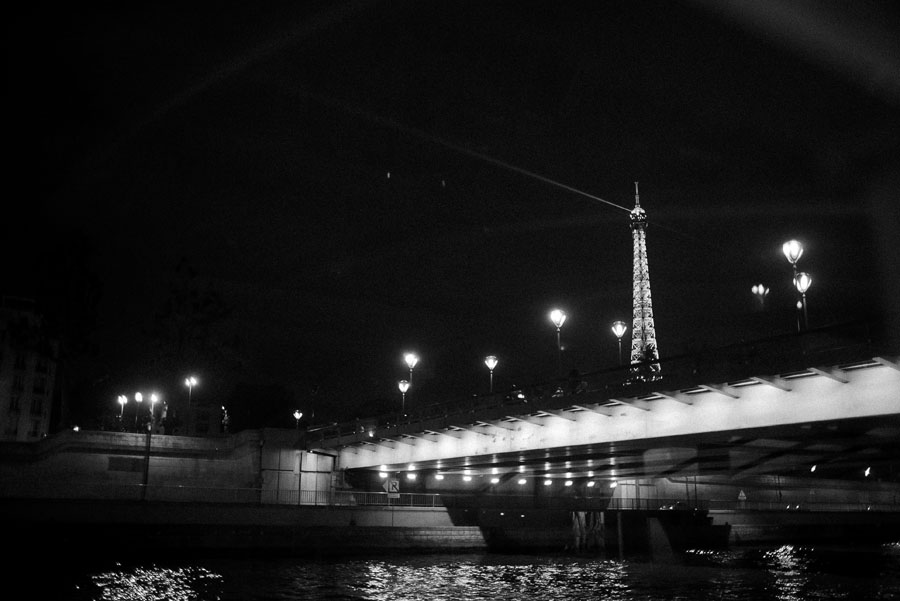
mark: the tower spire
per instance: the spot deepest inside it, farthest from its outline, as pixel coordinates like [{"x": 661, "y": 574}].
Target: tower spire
[{"x": 643, "y": 332}]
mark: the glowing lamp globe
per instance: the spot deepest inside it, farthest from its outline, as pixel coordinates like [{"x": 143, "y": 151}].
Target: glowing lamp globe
[
  {"x": 792, "y": 250},
  {"x": 558, "y": 317}
]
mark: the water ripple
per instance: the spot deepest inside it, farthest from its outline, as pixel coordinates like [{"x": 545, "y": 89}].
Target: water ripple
[{"x": 786, "y": 573}]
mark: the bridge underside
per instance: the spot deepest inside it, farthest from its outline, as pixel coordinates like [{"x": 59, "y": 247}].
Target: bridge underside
[{"x": 841, "y": 450}]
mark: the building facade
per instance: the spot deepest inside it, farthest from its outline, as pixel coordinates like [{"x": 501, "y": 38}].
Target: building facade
[{"x": 29, "y": 359}]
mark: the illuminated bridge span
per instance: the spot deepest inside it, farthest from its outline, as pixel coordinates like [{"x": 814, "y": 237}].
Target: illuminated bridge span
[{"x": 835, "y": 420}]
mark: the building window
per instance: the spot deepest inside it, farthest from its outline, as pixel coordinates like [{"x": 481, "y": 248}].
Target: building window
[
  {"x": 18, "y": 384},
  {"x": 14, "y": 403},
  {"x": 35, "y": 428},
  {"x": 37, "y": 406}
]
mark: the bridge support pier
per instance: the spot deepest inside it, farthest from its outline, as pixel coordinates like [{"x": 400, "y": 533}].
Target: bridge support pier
[{"x": 659, "y": 533}]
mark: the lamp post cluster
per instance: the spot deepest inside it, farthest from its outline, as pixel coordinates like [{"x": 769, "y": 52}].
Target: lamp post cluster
[
  {"x": 154, "y": 398},
  {"x": 761, "y": 292},
  {"x": 411, "y": 360},
  {"x": 138, "y": 399},
  {"x": 793, "y": 250},
  {"x": 558, "y": 318}
]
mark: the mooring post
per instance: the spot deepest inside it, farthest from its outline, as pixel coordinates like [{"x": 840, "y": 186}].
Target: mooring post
[{"x": 620, "y": 536}]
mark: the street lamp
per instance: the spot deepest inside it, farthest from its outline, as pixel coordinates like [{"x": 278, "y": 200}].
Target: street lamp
[
  {"x": 138, "y": 398},
  {"x": 122, "y": 401},
  {"x": 403, "y": 385},
  {"x": 803, "y": 281},
  {"x": 491, "y": 362},
  {"x": 190, "y": 382},
  {"x": 297, "y": 415},
  {"x": 793, "y": 250},
  {"x": 619, "y": 328},
  {"x": 761, "y": 292},
  {"x": 411, "y": 360},
  {"x": 153, "y": 399},
  {"x": 558, "y": 317}
]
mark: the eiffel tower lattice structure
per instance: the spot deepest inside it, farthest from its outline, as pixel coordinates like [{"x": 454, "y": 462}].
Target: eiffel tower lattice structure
[{"x": 644, "y": 352}]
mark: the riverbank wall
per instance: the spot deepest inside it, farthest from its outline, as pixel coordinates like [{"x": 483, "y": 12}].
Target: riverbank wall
[
  {"x": 122, "y": 529},
  {"x": 259, "y": 492}
]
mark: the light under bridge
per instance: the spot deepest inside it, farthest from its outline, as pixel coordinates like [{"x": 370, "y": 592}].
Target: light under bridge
[{"x": 836, "y": 420}]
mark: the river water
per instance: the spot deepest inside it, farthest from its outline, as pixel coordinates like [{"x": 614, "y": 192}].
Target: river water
[{"x": 787, "y": 573}]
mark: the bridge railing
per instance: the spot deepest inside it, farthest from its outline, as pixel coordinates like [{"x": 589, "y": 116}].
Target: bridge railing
[
  {"x": 769, "y": 506},
  {"x": 777, "y": 355}
]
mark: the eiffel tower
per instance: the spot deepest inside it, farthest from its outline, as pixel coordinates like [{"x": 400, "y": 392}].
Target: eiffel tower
[{"x": 643, "y": 333}]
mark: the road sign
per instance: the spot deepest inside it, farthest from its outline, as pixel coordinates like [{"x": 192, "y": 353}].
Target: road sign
[{"x": 392, "y": 487}]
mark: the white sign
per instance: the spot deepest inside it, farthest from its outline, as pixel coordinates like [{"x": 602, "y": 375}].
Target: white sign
[{"x": 392, "y": 488}]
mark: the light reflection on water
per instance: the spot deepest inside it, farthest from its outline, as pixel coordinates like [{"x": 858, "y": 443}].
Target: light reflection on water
[
  {"x": 153, "y": 583},
  {"x": 787, "y": 573},
  {"x": 478, "y": 579}
]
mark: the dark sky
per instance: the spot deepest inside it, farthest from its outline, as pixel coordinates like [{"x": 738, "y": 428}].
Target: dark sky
[{"x": 364, "y": 178}]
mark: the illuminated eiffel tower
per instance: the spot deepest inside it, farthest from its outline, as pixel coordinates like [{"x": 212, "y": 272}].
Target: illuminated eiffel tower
[{"x": 643, "y": 332}]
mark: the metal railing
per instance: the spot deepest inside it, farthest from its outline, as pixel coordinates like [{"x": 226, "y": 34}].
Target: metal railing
[
  {"x": 628, "y": 504},
  {"x": 784, "y": 354},
  {"x": 341, "y": 498},
  {"x": 824, "y": 506},
  {"x": 353, "y": 498}
]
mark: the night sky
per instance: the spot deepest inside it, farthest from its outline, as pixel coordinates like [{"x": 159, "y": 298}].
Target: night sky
[{"x": 344, "y": 182}]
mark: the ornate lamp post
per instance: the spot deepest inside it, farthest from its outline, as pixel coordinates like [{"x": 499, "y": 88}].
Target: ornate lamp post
[
  {"x": 153, "y": 399},
  {"x": 619, "y": 328},
  {"x": 491, "y": 362},
  {"x": 403, "y": 385},
  {"x": 793, "y": 250},
  {"x": 803, "y": 281},
  {"x": 297, "y": 415},
  {"x": 558, "y": 317},
  {"x": 411, "y": 360},
  {"x": 122, "y": 401}
]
